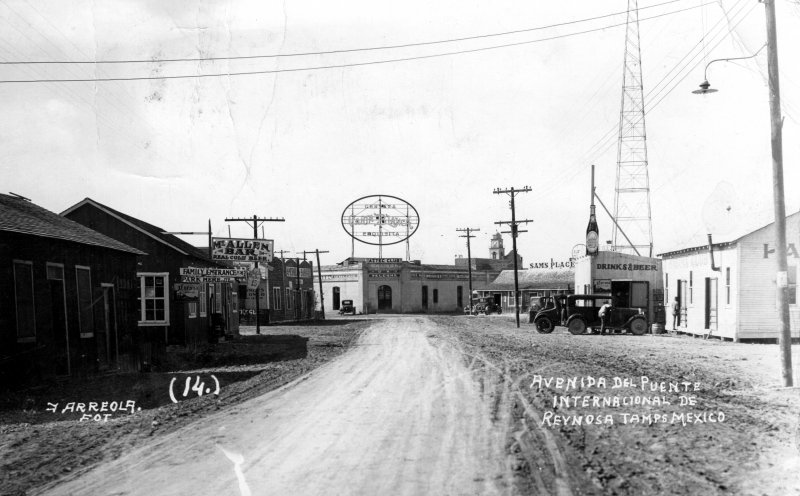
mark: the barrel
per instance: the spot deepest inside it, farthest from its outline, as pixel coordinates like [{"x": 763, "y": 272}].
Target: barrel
[{"x": 657, "y": 329}]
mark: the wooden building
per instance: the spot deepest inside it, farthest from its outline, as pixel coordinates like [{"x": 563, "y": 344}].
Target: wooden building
[
  {"x": 177, "y": 313},
  {"x": 67, "y": 295},
  {"x": 728, "y": 289},
  {"x": 532, "y": 283},
  {"x": 286, "y": 294}
]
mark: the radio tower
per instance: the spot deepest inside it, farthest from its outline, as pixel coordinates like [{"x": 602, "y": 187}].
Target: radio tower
[{"x": 632, "y": 192}]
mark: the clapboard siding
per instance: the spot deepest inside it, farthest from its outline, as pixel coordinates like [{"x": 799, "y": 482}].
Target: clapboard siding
[
  {"x": 759, "y": 318},
  {"x": 699, "y": 264}
]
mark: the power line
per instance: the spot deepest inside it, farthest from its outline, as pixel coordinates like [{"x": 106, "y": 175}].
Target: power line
[
  {"x": 340, "y": 66},
  {"x": 329, "y": 52}
]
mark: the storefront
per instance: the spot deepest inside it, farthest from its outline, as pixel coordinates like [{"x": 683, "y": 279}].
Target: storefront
[
  {"x": 630, "y": 280},
  {"x": 533, "y": 283},
  {"x": 396, "y": 286},
  {"x": 729, "y": 289}
]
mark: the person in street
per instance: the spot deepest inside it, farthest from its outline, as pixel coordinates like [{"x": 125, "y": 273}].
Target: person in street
[
  {"x": 675, "y": 307},
  {"x": 604, "y": 314}
]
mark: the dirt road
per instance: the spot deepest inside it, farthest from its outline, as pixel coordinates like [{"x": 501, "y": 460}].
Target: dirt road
[{"x": 398, "y": 414}]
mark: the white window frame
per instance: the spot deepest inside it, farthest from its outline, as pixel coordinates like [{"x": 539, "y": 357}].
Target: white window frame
[
  {"x": 89, "y": 333},
  {"x": 29, "y": 263},
  {"x": 142, "y": 312},
  {"x": 276, "y": 297}
]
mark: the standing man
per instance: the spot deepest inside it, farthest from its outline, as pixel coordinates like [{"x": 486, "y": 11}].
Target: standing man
[
  {"x": 604, "y": 314},
  {"x": 675, "y": 307}
]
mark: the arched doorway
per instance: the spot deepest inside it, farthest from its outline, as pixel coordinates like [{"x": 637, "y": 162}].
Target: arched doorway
[{"x": 384, "y": 298}]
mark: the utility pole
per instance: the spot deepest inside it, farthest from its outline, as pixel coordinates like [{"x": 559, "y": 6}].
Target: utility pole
[
  {"x": 257, "y": 221},
  {"x": 776, "y": 125},
  {"x": 319, "y": 278},
  {"x": 210, "y": 250},
  {"x": 469, "y": 230},
  {"x": 514, "y": 231}
]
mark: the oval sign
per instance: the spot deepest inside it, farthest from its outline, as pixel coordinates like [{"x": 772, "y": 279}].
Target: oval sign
[{"x": 380, "y": 220}]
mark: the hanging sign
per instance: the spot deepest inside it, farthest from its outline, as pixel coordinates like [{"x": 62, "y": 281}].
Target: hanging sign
[
  {"x": 243, "y": 250},
  {"x": 210, "y": 274},
  {"x": 380, "y": 220}
]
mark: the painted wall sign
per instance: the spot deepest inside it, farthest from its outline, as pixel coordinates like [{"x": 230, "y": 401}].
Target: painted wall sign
[
  {"x": 185, "y": 291},
  {"x": 628, "y": 267},
  {"x": 553, "y": 264},
  {"x": 380, "y": 220},
  {"x": 292, "y": 272},
  {"x": 791, "y": 251},
  {"x": 210, "y": 274},
  {"x": 246, "y": 250},
  {"x": 384, "y": 260}
]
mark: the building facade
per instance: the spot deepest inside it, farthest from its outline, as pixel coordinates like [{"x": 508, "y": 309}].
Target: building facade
[
  {"x": 396, "y": 286},
  {"x": 729, "y": 289},
  {"x": 533, "y": 283},
  {"x": 68, "y": 297},
  {"x": 631, "y": 281},
  {"x": 170, "y": 310}
]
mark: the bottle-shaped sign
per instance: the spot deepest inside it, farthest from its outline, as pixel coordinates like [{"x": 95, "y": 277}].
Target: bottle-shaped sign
[{"x": 592, "y": 234}]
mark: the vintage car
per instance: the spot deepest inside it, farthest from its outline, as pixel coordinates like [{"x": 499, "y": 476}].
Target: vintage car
[
  {"x": 579, "y": 312},
  {"x": 486, "y": 305},
  {"x": 347, "y": 307}
]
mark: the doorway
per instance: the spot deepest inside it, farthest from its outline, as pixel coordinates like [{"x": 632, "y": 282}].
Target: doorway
[
  {"x": 108, "y": 349},
  {"x": 711, "y": 303},
  {"x": 682, "y": 292},
  {"x": 336, "y": 298},
  {"x": 424, "y": 297},
  {"x": 384, "y": 297},
  {"x": 58, "y": 316}
]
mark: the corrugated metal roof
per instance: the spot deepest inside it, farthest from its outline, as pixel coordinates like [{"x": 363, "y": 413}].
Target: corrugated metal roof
[
  {"x": 24, "y": 217},
  {"x": 532, "y": 279}
]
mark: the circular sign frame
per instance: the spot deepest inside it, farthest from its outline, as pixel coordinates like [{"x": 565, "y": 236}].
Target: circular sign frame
[{"x": 360, "y": 213}]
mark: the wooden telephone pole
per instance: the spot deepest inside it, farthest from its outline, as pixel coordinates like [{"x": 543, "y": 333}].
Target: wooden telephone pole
[
  {"x": 514, "y": 231},
  {"x": 257, "y": 221},
  {"x": 468, "y": 230},
  {"x": 319, "y": 278}
]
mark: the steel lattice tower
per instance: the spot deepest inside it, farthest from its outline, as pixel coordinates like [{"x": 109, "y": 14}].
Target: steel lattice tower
[{"x": 632, "y": 191}]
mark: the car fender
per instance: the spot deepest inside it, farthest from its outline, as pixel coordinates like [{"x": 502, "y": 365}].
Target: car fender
[{"x": 575, "y": 316}]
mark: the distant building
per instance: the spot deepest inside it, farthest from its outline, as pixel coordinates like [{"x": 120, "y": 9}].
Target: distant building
[
  {"x": 729, "y": 288},
  {"x": 392, "y": 285},
  {"x": 532, "y": 283},
  {"x": 288, "y": 295},
  {"x": 67, "y": 297},
  {"x": 170, "y": 311}
]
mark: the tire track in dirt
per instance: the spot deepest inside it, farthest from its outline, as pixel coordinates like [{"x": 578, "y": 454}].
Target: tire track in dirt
[{"x": 397, "y": 414}]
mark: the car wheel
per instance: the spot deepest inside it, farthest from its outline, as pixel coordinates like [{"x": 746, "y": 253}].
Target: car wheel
[
  {"x": 544, "y": 325},
  {"x": 576, "y": 326},
  {"x": 638, "y": 326}
]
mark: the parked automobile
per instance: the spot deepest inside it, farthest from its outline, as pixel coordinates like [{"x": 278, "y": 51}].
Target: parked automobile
[
  {"x": 486, "y": 305},
  {"x": 347, "y": 307},
  {"x": 580, "y": 312}
]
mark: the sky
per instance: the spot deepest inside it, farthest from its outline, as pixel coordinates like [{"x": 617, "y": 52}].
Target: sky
[{"x": 441, "y": 132}]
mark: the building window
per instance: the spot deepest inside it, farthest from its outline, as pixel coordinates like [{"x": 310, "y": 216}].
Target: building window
[
  {"x": 154, "y": 298},
  {"x": 728, "y": 285},
  {"x": 276, "y": 298},
  {"x": 288, "y": 299},
  {"x": 791, "y": 291},
  {"x": 691, "y": 291},
  {"x": 435, "y": 296},
  {"x": 83, "y": 276},
  {"x": 192, "y": 309},
  {"x": 23, "y": 296}
]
